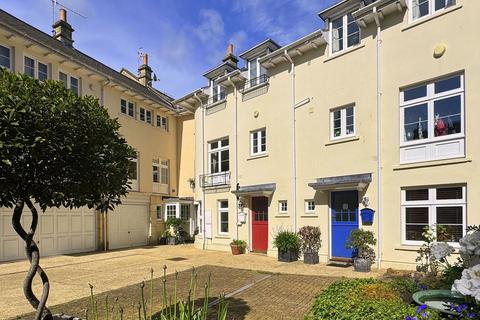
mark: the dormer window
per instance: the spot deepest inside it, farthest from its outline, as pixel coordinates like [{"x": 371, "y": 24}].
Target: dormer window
[
  {"x": 345, "y": 33},
  {"x": 256, "y": 73},
  {"x": 423, "y": 8},
  {"x": 218, "y": 92}
]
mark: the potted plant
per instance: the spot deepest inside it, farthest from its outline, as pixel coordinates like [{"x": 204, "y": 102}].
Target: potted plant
[
  {"x": 238, "y": 247},
  {"x": 310, "y": 244},
  {"x": 174, "y": 225},
  {"x": 288, "y": 244},
  {"x": 364, "y": 255}
]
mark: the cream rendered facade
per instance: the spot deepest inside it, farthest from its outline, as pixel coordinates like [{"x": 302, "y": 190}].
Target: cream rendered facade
[
  {"x": 135, "y": 221},
  {"x": 303, "y": 161}
]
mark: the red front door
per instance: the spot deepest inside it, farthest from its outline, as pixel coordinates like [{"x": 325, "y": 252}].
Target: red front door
[{"x": 260, "y": 224}]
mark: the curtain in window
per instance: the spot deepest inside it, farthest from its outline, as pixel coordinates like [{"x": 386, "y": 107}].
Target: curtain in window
[
  {"x": 416, "y": 9},
  {"x": 335, "y": 41}
]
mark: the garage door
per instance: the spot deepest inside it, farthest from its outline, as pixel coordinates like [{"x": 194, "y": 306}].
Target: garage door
[
  {"x": 128, "y": 226},
  {"x": 59, "y": 231}
]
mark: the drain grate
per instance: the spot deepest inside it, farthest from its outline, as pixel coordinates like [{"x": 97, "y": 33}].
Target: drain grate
[{"x": 177, "y": 259}]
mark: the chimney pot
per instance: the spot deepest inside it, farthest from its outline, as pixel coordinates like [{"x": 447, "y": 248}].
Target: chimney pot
[
  {"x": 145, "y": 59},
  {"x": 63, "y": 15},
  {"x": 230, "y": 49}
]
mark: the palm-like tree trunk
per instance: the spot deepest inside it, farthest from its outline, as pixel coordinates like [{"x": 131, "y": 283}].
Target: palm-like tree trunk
[{"x": 33, "y": 255}]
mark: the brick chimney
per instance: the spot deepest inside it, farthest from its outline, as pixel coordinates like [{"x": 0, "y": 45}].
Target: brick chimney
[
  {"x": 229, "y": 57},
  {"x": 145, "y": 72},
  {"x": 62, "y": 30}
]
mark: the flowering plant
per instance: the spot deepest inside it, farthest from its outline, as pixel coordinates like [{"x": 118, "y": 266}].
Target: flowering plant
[
  {"x": 470, "y": 248},
  {"x": 421, "y": 313},
  {"x": 310, "y": 239},
  {"x": 469, "y": 284},
  {"x": 433, "y": 254},
  {"x": 464, "y": 311}
]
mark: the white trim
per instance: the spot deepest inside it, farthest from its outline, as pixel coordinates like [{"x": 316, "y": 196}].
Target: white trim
[
  {"x": 431, "y": 9},
  {"x": 343, "y": 122},
  {"x": 345, "y": 45},
  {"x": 170, "y": 205},
  {"x": 10, "y": 55},
  {"x": 280, "y": 206},
  {"x": 307, "y": 207},
  {"x": 221, "y": 210},
  {"x": 431, "y": 204},
  {"x": 218, "y": 150},
  {"x": 262, "y": 131}
]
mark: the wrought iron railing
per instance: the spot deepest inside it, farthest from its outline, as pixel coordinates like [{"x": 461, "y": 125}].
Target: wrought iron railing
[
  {"x": 216, "y": 98},
  {"x": 215, "y": 179},
  {"x": 256, "y": 81}
]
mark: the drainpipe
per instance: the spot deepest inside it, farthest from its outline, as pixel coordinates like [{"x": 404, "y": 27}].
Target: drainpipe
[
  {"x": 203, "y": 168},
  {"x": 379, "y": 132},
  {"x": 236, "y": 142},
  {"x": 103, "y": 215},
  {"x": 294, "y": 146}
]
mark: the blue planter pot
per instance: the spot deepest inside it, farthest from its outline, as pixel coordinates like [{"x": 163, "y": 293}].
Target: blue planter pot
[{"x": 367, "y": 216}]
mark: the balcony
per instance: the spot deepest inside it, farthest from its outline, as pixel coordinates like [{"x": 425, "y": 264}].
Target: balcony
[
  {"x": 252, "y": 83},
  {"x": 215, "y": 179},
  {"x": 216, "y": 99}
]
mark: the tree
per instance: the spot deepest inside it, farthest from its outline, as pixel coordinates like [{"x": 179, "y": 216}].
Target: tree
[{"x": 56, "y": 149}]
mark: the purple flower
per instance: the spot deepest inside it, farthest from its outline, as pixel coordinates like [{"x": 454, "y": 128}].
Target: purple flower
[
  {"x": 410, "y": 318},
  {"x": 421, "y": 308}
]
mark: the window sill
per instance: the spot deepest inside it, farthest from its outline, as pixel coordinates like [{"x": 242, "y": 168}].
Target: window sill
[
  {"x": 258, "y": 156},
  {"x": 309, "y": 215},
  {"x": 431, "y": 17},
  {"x": 255, "y": 87},
  {"x": 431, "y": 163},
  {"x": 344, "y": 52},
  {"x": 282, "y": 215},
  {"x": 342, "y": 140},
  {"x": 415, "y": 248},
  {"x": 216, "y": 103},
  {"x": 222, "y": 236}
]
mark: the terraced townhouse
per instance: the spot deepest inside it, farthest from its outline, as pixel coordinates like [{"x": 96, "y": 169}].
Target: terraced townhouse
[
  {"x": 150, "y": 123},
  {"x": 376, "y": 110}
]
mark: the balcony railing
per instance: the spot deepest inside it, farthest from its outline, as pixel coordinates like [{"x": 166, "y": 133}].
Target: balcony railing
[
  {"x": 216, "y": 98},
  {"x": 215, "y": 179},
  {"x": 256, "y": 81}
]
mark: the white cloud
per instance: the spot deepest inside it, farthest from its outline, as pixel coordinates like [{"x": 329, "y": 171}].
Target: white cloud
[{"x": 211, "y": 28}]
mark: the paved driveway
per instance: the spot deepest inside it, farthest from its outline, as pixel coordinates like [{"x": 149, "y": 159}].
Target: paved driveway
[{"x": 109, "y": 271}]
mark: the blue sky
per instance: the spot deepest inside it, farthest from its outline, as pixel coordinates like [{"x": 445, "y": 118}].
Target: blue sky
[{"x": 184, "y": 38}]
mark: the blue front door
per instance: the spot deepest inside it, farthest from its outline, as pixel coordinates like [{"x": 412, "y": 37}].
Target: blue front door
[{"x": 344, "y": 219}]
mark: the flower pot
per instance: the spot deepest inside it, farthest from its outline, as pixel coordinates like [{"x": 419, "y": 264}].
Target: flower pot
[
  {"x": 311, "y": 258},
  {"x": 172, "y": 240},
  {"x": 236, "y": 250},
  {"x": 287, "y": 256},
  {"x": 362, "y": 265},
  {"x": 162, "y": 240}
]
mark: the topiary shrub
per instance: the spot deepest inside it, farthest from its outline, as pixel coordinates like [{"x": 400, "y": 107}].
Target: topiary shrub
[{"x": 362, "y": 299}]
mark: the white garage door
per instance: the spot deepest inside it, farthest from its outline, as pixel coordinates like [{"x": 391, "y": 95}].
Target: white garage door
[
  {"x": 128, "y": 226},
  {"x": 59, "y": 231}
]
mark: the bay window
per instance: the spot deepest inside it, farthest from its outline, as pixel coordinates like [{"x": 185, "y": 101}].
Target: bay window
[
  {"x": 442, "y": 207},
  {"x": 342, "y": 122},
  {"x": 423, "y": 8},
  {"x": 344, "y": 34},
  {"x": 171, "y": 211},
  {"x": 432, "y": 120}
]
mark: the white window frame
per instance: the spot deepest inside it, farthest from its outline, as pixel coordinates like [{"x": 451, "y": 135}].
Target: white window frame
[
  {"x": 220, "y": 211},
  {"x": 308, "y": 209},
  {"x": 343, "y": 122},
  {"x": 168, "y": 206},
  {"x": 345, "y": 46},
  {"x": 216, "y": 97},
  {"x": 187, "y": 205},
  {"x": 259, "y": 142},
  {"x": 218, "y": 150},
  {"x": 10, "y": 57},
  {"x": 134, "y": 182},
  {"x": 431, "y": 9},
  {"x": 69, "y": 81},
  {"x": 283, "y": 206},
  {"x": 145, "y": 114},
  {"x": 430, "y": 99},
  {"x": 162, "y": 122},
  {"x": 164, "y": 177},
  {"x": 127, "y": 106},
  {"x": 159, "y": 209},
  {"x": 36, "y": 69},
  {"x": 432, "y": 203}
]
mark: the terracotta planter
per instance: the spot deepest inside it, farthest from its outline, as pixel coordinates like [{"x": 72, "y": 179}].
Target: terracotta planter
[{"x": 236, "y": 250}]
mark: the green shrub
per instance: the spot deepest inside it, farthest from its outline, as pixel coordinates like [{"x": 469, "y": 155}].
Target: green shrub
[
  {"x": 363, "y": 299},
  {"x": 287, "y": 241},
  {"x": 242, "y": 245},
  {"x": 361, "y": 241}
]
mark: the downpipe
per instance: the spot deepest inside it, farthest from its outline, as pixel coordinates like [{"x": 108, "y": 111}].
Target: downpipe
[{"x": 203, "y": 169}]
